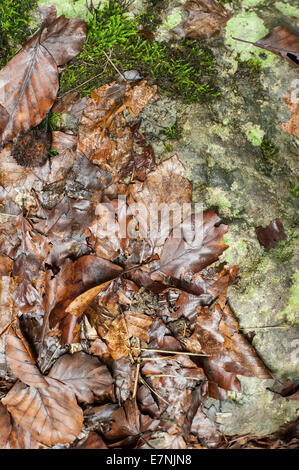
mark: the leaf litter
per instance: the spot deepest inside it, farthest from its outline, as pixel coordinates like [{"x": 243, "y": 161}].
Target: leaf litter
[{"x": 111, "y": 341}]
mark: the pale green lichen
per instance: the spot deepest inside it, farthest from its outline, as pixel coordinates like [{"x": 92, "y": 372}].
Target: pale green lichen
[
  {"x": 71, "y": 9},
  {"x": 254, "y": 134},
  {"x": 292, "y": 309},
  {"x": 250, "y": 27},
  {"x": 173, "y": 19},
  {"x": 252, "y": 3},
  {"x": 287, "y": 9},
  {"x": 218, "y": 199}
]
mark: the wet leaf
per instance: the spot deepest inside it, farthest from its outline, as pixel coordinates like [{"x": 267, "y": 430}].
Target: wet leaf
[
  {"x": 270, "y": 236},
  {"x": 282, "y": 42},
  {"x": 292, "y": 126},
  {"x": 206, "y": 19},
  {"x": 86, "y": 376},
  {"x": 193, "y": 250}
]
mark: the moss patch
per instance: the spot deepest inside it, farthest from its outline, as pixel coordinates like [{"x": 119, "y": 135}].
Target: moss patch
[
  {"x": 186, "y": 70},
  {"x": 15, "y": 26}
]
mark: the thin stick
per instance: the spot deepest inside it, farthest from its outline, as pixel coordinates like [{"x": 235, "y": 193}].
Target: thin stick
[
  {"x": 136, "y": 380},
  {"x": 170, "y": 375},
  {"x": 84, "y": 83},
  {"x": 152, "y": 390},
  {"x": 173, "y": 352},
  {"x": 114, "y": 66}
]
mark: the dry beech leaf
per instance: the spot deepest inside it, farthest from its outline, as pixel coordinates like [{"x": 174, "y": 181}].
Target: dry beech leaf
[
  {"x": 51, "y": 413},
  {"x": 206, "y": 19},
  {"x": 80, "y": 304},
  {"x": 270, "y": 236},
  {"x": 165, "y": 187},
  {"x": 62, "y": 141},
  {"x": 282, "y": 42},
  {"x": 22, "y": 363},
  {"x": 29, "y": 81},
  {"x": 28, "y": 89},
  {"x": 216, "y": 334},
  {"x": 128, "y": 424},
  {"x": 38, "y": 408},
  {"x": 5, "y": 426},
  {"x": 195, "y": 250},
  {"x": 292, "y": 126},
  {"x": 85, "y": 375}
]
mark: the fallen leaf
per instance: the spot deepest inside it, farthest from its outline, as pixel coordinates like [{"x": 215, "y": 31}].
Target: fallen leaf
[
  {"x": 38, "y": 407},
  {"x": 86, "y": 376},
  {"x": 29, "y": 81},
  {"x": 29, "y": 86},
  {"x": 129, "y": 424},
  {"x": 198, "y": 244},
  {"x": 281, "y": 41},
  {"x": 216, "y": 334},
  {"x": 292, "y": 126},
  {"x": 92, "y": 441},
  {"x": 80, "y": 304},
  {"x": 206, "y": 19},
  {"x": 270, "y": 236}
]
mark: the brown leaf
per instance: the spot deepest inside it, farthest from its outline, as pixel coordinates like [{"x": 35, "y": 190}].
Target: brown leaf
[
  {"x": 62, "y": 141},
  {"x": 292, "y": 126},
  {"x": 173, "y": 378},
  {"x": 5, "y": 426},
  {"x": 22, "y": 363},
  {"x": 165, "y": 188},
  {"x": 216, "y": 334},
  {"x": 29, "y": 85},
  {"x": 40, "y": 411},
  {"x": 92, "y": 441},
  {"x": 77, "y": 306},
  {"x": 128, "y": 424},
  {"x": 63, "y": 38},
  {"x": 195, "y": 249},
  {"x": 205, "y": 428},
  {"x": 29, "y": 81},
  {"x": 86, "y": 376},
  {"x": 206, "y": 19},
  {"x": 74, "y": 278},
  {"x": 281, "y": 41},
  {"x": 270, "y": 236}
]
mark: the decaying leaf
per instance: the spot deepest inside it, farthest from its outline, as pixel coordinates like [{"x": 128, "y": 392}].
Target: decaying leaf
[
  {"x": 86, "y": 376},
  {"x": 206, "y": 19},
  {"x": 292, "y": 126},
  {"x": 38, "y": 407},
  {"x": 282, "y": 42},
  {"x": 128, "y": 425},
  {"x": 29, "y": 81},
  {"x": 200, "y": 245},
  {"x": 229, "y": 353},
  {"x": 269, "y": 237}
]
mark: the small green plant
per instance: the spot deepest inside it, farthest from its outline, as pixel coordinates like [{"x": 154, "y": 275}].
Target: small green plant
[
  {"x": 15, "y": 17},
  {"x": 185, "y": 70},
  {"x": 269, "y": 154},
  {"x": 173, "y": 132}
]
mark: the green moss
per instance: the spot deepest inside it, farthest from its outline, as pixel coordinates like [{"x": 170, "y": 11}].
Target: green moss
[
  {"x": 284, "y": 251},
  {"x": 185, "y": 71},
  {"x": 295, "y": 188},
  {"x": 15, "y": 18},
  {"x": 269, "y": 156},
  {"x": 173, "y": 131}
]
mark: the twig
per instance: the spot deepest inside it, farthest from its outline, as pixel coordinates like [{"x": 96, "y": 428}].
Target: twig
[
  {"x": 114, "y": 66},
  {"x": 264, "y": 327},
  {"x": 136, "y": 380},
  {"x": 84, "y": 83},
  {"x": 152, "y": 390},
  {"x": 173, "y": 352},
  {"x": 170, "y": 375}
]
